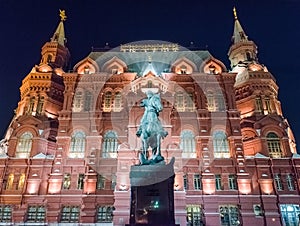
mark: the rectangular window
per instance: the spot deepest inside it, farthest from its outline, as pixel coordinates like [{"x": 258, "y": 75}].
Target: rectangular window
[
  {"x": 278, "y": 182},
  {"x": 10, "y": 182},
  {"x": 258, "y": 105},
  {"x": 70, "y": 214},
  {"x": 290, "y": 214},
  {"x": 80, "y": 182},
  {"x": 230, "y": 215},
  {"x": 232, "y": 182},
  {"x": 197, "y": 182},
  {"x": 118, "y": 102},
  {"x": 179, "y": 102},
  {"x": 185, "y": 182},
  {"x": 31, "y": 105},
  {"x": 194, "y": 215},
  {"x": 40, "y": 104},
  {"x": 21, "y": 182},
  {"x": 274, "y": 146},
  {"x": 257, "y": 210},
  {"x": 221, "y": 102},
  {"x": 36, "y": 214},
  {"x": 107, "y": 101},
  {"x": 67, "y": 181},
  {"x": 100, "y": 182},
  {"x": 77, "y": 103},
  {"x": 218, "y": 182},
  {"x": 5, "y": 213},
  {"x": 290, "y": 182},
  {"x": 113, "y": 182},
  {"x": 87, "y": 101},
  {"x": 105, "y": 214},
  {"x": 211, "y": 102},
  {"x": 268, "y": 104}
]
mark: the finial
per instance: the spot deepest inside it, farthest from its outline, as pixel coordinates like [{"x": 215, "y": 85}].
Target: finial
[
  {"x": 62, "y": 15},
  {"x": 234, "y": 13}
]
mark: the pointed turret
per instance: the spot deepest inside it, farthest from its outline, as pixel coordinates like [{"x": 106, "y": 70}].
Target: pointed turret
[
  {"x": 59, "y": 34},
  {"x": 242, "y": 51},
  {"x": 239, "y": 34},
  {"x": 55, "y": 53}
]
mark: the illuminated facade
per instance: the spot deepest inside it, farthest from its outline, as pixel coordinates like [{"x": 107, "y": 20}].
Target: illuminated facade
[{"x": 67, "y": 153}]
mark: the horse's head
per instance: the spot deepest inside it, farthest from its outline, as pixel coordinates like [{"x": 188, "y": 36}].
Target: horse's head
[{"x": 156, "y": 102}]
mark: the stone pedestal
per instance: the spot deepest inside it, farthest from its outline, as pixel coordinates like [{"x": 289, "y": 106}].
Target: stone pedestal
[{"x": 152, "y": 195}]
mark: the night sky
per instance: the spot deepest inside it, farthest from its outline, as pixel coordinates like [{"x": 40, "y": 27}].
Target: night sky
[{"x": 273, "y": 25}]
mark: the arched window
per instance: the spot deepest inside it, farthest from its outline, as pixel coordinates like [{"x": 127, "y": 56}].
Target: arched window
[
  {"x": 24, "y": 145},
  {"x": 49, "y": 58},
  {"x": 215, "y": 101},
  {"x": 187, "y": 144},
  {"x": 220, "y": 144},
  {"x": 107, "y": 102},
  {"x": 118, "y": 102},
  {"x": 184, "y": 101},
  {"x": 77, "y": 146},
  {"x": 274, "y": 145},
  {"x": 189, "y": 102},
  {"x": 248, "y": 56},
  {"x": 110, "y": 145}
]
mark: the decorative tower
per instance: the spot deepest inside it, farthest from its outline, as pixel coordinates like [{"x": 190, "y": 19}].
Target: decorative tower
[
  {"x": 256, "y": 95},
  {"x": 55, "y": 53},
  {"x": 31, "y": 136},
  {"x": 42, "y": 89},
  {"x": 41, "y": 94}
]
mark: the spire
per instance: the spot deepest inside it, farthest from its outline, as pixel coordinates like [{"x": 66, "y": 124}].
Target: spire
[
  {"x": 59, "y": 34},
  {"x": 238, "y": 34},
  {"x": 242, "y": 51},
  {"x": 55, "y": 53}
]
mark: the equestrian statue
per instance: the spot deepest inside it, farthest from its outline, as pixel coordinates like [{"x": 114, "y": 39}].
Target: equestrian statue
[{"x": 150, "y": 130}]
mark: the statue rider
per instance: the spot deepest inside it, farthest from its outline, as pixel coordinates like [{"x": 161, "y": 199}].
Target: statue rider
[{"x": 148, "y": 108}]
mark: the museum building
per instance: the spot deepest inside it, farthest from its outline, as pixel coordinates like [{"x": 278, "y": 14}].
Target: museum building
[{"x": 67, "y": 153}]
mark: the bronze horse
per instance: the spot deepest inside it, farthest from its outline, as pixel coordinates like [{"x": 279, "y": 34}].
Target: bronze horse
[{"x": 151, "y": 131}]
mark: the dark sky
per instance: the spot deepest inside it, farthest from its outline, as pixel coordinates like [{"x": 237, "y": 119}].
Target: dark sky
[{"x": 272, "y": 24}]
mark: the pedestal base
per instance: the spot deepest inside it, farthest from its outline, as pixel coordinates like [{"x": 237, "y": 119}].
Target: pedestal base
[{"x": 152, "y": 195}]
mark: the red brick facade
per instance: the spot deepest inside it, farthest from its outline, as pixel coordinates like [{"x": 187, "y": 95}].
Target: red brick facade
[{"x": 69, "y": 148}]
